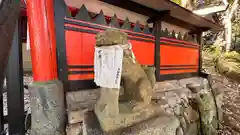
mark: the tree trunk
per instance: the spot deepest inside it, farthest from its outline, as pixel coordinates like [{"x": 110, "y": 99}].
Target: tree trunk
[
  {"x": 227, "y": 21},
  {"x": 183, "y": 3},
  {"x": 228, "y": 24},
  {"x": 188, "y": 4},
  {"x": 228, "y": 33}
]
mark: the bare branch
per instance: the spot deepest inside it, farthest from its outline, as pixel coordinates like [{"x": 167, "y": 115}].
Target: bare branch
[
  {"x": 233, "y": 8},
  {"x": 215, "y": 9},
  {"x": 225, "y": 2},
  {"x": 210, "y": 10},
  {"x": 183, "y": 3}
]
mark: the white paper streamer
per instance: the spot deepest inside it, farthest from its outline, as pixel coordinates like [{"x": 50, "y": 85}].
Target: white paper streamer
[{"x": 108, "y": 66}]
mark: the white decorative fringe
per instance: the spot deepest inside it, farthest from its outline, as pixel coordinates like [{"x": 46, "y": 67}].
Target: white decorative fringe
[
  {"x": 28, "y": 39},
  {"x": 84, "y": 128}
]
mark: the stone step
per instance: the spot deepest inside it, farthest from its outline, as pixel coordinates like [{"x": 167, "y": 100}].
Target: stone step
[{"x": 177, "y": 84}]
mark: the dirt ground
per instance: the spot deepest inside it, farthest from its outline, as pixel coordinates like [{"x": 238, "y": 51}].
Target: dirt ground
[{"x": 231, "y": 105}]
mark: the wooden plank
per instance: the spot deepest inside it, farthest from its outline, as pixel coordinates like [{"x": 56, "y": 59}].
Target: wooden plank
[
  {"x": 59, "y": 14},
  {"x": 179, "y": 12}
]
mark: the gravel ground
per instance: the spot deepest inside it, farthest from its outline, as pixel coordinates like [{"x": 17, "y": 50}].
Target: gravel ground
[
  {"x": 231, "y": 104},
  {"x": 231, "y": 109}
]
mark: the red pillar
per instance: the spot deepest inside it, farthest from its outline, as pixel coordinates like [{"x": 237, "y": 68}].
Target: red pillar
[{"x": 42, "y": 39}]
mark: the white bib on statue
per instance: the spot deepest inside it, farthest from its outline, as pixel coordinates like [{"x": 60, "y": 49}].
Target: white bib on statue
[{"x": 108, "y": 66}]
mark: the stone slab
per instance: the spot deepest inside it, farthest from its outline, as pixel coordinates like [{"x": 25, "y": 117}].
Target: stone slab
[
  {"x": 161, "y": 125},
  {"x": 126, "y": 118},
  {"x": 84, "y": 99},
  {"x": 194, "y": 80},
  {"x": 167, "y": 85},
  {"x": 176, "y": 84},
  {"x": 181, "y": 92}
]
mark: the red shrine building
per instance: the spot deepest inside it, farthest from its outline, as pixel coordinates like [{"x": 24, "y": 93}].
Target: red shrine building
[{"x": 62, "y": 37}]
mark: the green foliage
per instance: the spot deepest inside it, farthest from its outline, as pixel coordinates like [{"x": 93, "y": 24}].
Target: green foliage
[
  {"x": 212, "y": 49},
  {"x": 211, "y": 54},
  {"x": 227, "y": 64},
  {"x": 236, "y": 28},
  {"x": 230, "y": 1},
  {"x": 233, "y": 55},
  {"x": 177, "y": 1},
  {"x": 236, "y": 24}
]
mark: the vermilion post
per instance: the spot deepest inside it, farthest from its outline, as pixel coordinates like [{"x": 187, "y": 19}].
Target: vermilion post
[{"x": 42, "y": 39}]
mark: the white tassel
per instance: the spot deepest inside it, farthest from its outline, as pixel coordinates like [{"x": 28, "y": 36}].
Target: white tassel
[
  {"x": 84, "y": 128},
  {"x": 28, "y": 39}
]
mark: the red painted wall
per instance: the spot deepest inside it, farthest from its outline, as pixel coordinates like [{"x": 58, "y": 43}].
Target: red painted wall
[
  {"x": 80, "y": 50},
  {"x": 176, "y": 56}
]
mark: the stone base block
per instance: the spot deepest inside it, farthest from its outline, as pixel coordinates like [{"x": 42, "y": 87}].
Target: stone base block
[
  {"x": 47, "y": 108},
  {"x": 161, "y": 125},
  {"x": 126, "y": 117},
  {"x": 84, "y": 99}
]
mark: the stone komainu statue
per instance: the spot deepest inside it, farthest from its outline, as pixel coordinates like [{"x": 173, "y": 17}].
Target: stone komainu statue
[{"x": 137, "y": 81}]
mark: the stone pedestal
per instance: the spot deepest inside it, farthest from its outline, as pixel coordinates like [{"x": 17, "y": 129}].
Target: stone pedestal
[
  {"x": 163, "y": 124},
  {"x": 180, "y": 114},
  {"x": 47, "y": 108},
  {"x": 126, "y": 117},
  {"x": 108, "y": 102}
]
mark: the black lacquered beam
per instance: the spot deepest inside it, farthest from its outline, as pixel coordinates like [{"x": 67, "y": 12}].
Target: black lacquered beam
[{"x": 15, "y": 90}]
